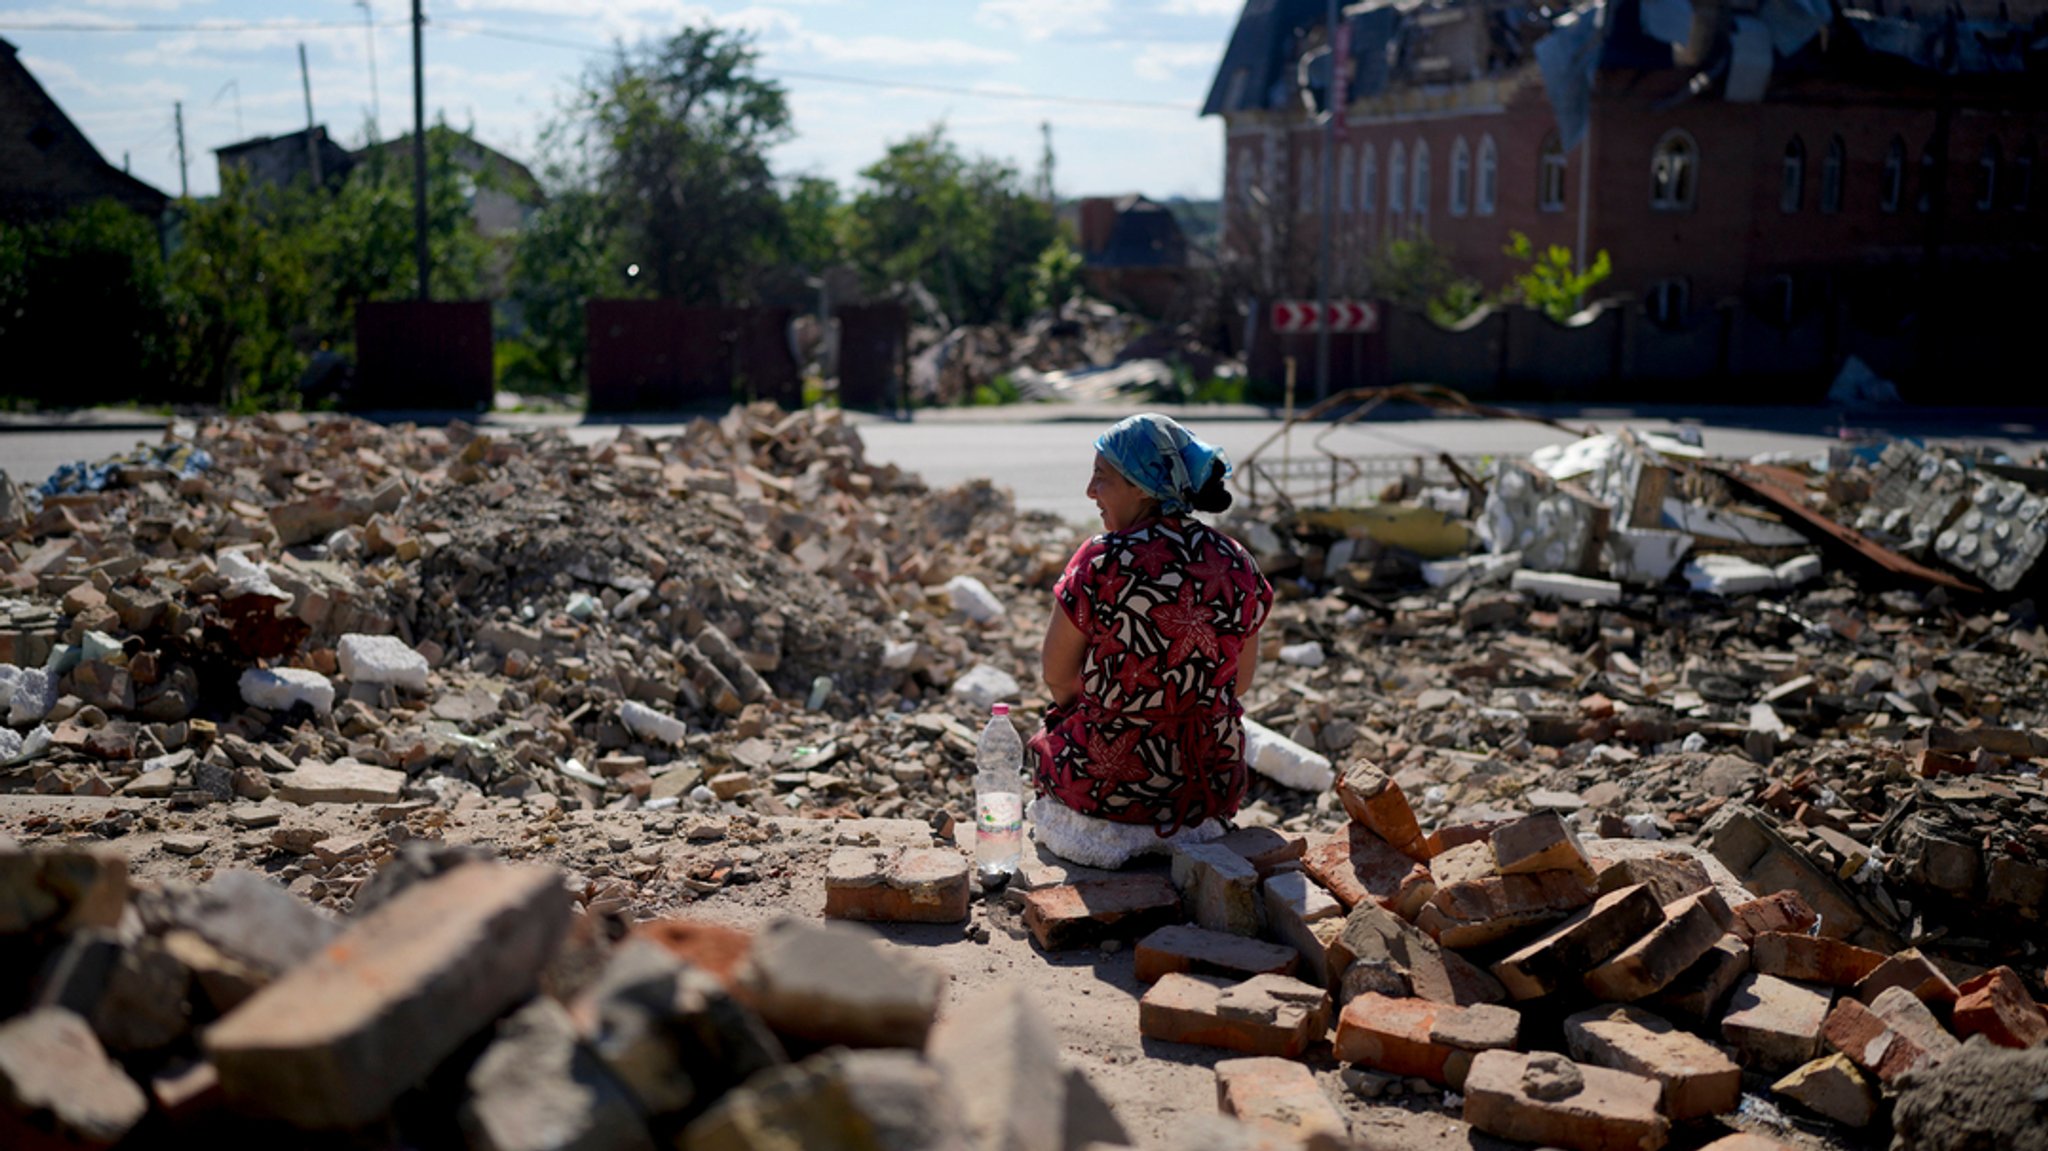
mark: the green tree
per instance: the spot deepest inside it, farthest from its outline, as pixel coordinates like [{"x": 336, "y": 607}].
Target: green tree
[
  {"x": 674, "y": 139},
  {"x": 263, "y": 276},
  {"x": 359, "y": 240},
  {"x": 1056, "y": 277},
  {"x": 240, "y": 291},
  {"x": 1550, "y": 282},
  {"x": 567, "y": 254},
  {"x": 967, "y": 228},
  {"x": 813, "y": 219},
  {"x": 82, "y": 311},
  {"x": 1414, "y": 273}
]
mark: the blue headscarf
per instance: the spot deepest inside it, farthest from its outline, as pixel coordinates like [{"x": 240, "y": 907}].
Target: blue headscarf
[{"x": 1162, "y": 458}]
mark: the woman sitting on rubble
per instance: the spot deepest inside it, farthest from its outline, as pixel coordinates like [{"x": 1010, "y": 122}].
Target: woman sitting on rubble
[{"x": 1153, "y": 637}]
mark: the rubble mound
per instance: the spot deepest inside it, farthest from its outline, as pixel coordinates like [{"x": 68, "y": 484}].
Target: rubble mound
[
  {"x": 1984, "y": 1096},
  {"x": 660, "y": 567}
]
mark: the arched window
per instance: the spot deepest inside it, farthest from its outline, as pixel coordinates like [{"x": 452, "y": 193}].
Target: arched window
[
  {"x": 1308, "y": 182},
  {"x": 1397, "y": 178},
  {"x": 1669, "y": 301},
  {"x": 1368, "y": 180},
  {"x": 1891, "y": 188},
  {"x": 1550, "y": 175},
  {"x": 1244, "y": 179},
  {"x": 1831, "y": 168},
  {"x": 1489, "y": 176},
  {"x": 1461, "y": 178},
  {"x": 1930, "y": 173},
  {"x": 1344, "y": 180},
  {"x": 2019, "y": 188},
  {"x": 1987, "y": 176},
  {"x": 1420, "y": 200},
  {"x": 1792, "y": 180},
  {"x": 1674, "y": 172}
]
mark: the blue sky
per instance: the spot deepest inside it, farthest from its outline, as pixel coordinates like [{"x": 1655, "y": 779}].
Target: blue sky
[{"x": 1125, "y": 58}]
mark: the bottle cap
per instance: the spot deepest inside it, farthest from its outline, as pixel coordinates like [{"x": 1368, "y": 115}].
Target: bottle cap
[{"x": 1000, "y": 709}]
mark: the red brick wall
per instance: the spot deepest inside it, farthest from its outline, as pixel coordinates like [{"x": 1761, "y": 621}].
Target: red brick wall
[{"x": 1736, "y": 236}]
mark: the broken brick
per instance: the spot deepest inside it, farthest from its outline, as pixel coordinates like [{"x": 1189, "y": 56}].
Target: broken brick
[
  {"x": 1483, "y": 911},
  {"x": 1832, "y": 1087},
  {"x": 1589, "y": 938},
  {"x": 1414, "y": 1037},
  {"x": 1775, "y": 1024},
  {"x": 1872, "y": 1043},
  {"x": 1691, "y": 928},
  {"x": 1266, "y": 849},
  {"x": 1281, "y": 1095},
  {"x": 917, "y": 885},
  {"x": 1301, "y": 914},
  {"x": 58, "y": 1088},
  {"x": 1266, "y": 1015},
  {"x": 1608, "y": 1110},
  {"x": 1779, "y": 911},
  {"x": 1671, "y": 877},
  {"x": 1078, "y": 914},
  {"x": 829, "y": 983},
  {"x": 1219, "y": 888},
  {"x": 1698, "y": 1079},
  {"x": 1914, "y": 972},
  {"x": 1199, "y": 951},
  {"x": 1540, "y": 842},
  {"x": 1419, "y": 964},
  {"x": 1811, "y": 958},
  {"x": 1374, "y": 802},
  {"x": 1697, "y": 994},
  {"x": 1996, "y": 1005},
  {"x": 1355, "y": 865},
  {"x": 335, "y": 1040}
]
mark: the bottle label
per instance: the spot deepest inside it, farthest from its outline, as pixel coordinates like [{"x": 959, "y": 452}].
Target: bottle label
[{"x": 1001, "y": 812}]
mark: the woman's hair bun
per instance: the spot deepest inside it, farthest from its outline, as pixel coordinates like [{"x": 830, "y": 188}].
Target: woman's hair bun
[{"x": 1213, "y": 496}]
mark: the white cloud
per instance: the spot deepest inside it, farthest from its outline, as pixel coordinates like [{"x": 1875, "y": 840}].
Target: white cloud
[
  {"x": 1201, "y": 7},
  {"x": 1162, "y": 62},
  {"x": 896, "y": 51},
  {"x": 143, "y": 5},
  {"x": 1045, "y": 19}
]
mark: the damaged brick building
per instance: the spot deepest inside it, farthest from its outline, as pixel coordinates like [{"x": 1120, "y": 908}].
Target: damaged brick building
[{"x": 1811, "y": 161}]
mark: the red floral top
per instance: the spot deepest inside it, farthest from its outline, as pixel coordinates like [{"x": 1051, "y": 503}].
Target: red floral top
[{"x": 1157, "y": 734}]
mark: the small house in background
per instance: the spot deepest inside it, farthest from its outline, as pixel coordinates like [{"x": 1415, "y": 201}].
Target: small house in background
[
  {"x": 502, "y": 192},
  {"x": 1133, "y": 253},
  {"x": 47, "y": 166},
  {"x": 309, "y": 154}
]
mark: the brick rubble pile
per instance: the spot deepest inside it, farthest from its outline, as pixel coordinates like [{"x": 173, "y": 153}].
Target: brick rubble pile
[{"x": 388, "y": 781}]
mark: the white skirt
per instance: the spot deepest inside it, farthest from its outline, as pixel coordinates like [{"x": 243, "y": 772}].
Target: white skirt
[{"x": 1093, "y": 842}]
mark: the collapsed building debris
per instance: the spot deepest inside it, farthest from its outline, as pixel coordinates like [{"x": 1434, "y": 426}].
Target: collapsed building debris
[{"x": 1522, "y": 859}]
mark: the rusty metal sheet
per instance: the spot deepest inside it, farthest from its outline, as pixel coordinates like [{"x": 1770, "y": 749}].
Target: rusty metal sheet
[{"x": 1783, "y": 488}]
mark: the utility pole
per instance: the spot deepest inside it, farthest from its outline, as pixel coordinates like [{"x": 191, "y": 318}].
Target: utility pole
[
  {"x": 370, "y": 39},
  {"x": 419, "y": 147},
  {"x": 312, "y": 137},
  {"x": 178, "y": 111},
  {"x": 1051, "y": 198},
  {"x": 1323, "y": 260}
]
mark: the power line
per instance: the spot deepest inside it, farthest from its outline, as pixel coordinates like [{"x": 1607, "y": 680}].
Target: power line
[
  {"x": 216, "y": 26},
  {"x": 587, "y": 47}
]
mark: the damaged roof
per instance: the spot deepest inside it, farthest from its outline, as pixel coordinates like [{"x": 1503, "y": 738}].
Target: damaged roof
[{"x": 1411, "y": 42}]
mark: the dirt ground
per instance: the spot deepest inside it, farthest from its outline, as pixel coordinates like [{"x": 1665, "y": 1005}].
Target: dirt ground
[{"x": 775, "y": 867}]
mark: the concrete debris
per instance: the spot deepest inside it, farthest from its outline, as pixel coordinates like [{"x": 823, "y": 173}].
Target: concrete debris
[{"x": 1581, "y": 826}]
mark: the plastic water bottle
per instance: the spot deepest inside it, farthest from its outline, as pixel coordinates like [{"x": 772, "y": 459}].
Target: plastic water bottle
[{"x": 998, "y": 797}]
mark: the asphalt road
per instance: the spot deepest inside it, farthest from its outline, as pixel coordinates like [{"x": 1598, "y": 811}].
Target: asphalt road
[{"x": 1043, "y": 455}]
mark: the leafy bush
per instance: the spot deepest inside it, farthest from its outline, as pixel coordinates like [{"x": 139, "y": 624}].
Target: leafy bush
[
  {"x": 1550, "y": 283},
  {"x": 995, "y": 393},
  {"x": 83, "y": 318}
]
